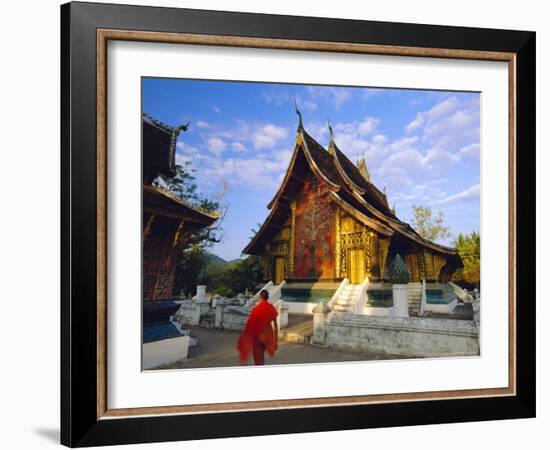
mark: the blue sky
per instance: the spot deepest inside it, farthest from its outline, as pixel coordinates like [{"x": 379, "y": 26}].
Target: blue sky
[{"x": 422, "y": 146}]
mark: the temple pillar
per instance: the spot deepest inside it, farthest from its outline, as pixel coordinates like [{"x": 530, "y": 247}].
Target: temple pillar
[
  {"x": 383, "y": 247},
  {"x": 291, "y": 244},
  {"x": 429, "y": 264},
  {"x": 337, "y": 244}
]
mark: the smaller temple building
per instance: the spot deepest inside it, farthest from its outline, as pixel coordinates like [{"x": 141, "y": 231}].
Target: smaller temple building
[{"x": 165, "y": 216}]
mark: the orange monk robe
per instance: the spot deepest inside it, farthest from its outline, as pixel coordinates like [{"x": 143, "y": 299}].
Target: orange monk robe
[{"x": 258, "y": 325}]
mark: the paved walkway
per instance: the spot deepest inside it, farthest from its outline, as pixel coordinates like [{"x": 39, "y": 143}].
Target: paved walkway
[
  {"x": 216, "y": 348},
  {"x": 463, "y": 311}
]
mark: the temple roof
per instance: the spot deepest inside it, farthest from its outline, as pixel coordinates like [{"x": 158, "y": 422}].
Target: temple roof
[
  {"x": 359, "y": 184},
  {"x": 322, "y": 158},
  {"x": 159, "y": 148},
  {"x": 163, "y": 203},
  {"x": 349, "y": 188}
]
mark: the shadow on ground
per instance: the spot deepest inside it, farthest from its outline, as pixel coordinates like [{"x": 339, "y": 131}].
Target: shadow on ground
[
  {"x": 217, "y": 348},
  {"x": 50, "y": 434}
]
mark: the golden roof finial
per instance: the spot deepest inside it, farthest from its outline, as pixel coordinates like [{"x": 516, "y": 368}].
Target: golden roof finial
[
  {"x": 363, "y": 169},
  {"x": 300, "y": 124},
  {"x": 331, "y": 142}
]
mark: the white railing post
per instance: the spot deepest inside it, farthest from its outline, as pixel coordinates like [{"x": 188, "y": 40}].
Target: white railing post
[
  {"x": 360, "y": 300},
  {"x": 277, "y": 292},
  {"x": 256, "y": 296},
  {"x": 335, "y": 296},
  {"x": 423, "y": 298}
]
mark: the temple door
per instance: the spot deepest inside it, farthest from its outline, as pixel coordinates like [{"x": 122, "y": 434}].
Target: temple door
[
  {"x": 279, "y": 270},
  {"x": 357, "y": 266}
]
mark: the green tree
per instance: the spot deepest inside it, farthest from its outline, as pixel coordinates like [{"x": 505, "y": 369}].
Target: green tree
[
  {"x": 469, "y": 249},
  {"x": 229, "y": 279},
  {"x": 182, "y": 183},
  {"x": 245, "y": 274},
  {"x": 190, "y": 270},
  {"x": 216, "y": 275},
  {"x": 429, "y": 225},
  {"x": 192, "y": 260}
]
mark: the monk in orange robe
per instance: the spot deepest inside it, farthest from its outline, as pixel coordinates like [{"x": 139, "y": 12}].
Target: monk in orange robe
[{"x": 260, "y": 333}]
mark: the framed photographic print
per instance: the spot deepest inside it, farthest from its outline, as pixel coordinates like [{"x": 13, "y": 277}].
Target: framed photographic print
[{"x": 277, "y": 224}]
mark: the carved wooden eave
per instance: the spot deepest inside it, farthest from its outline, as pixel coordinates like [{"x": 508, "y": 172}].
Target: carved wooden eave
[
  {"x": 288, "y": 176},
  {"x": 268, "y": 223},
  {"x": 333, "y": 186},
  {"x": 400, "y": 227},
  {"x": 370, "y": 222},
  {"x": 163, "y": 203},
  {"x": 301, "y": 145},
  {"x": 159, "y": 152}
]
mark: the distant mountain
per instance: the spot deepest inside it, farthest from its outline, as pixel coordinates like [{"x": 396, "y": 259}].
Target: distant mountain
[
  {"x": 215, "y": 259},
  {"x": 235, "y": 260}
]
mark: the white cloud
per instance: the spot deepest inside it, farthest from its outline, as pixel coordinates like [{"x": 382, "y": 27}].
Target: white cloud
[
  {"x": 407, "y": 162},
  {"x": 277, "y": 97},
  {"x": 368, "y": 125},
  {"x": 319, "y": 131},
  {"x": 306, "y": 105},
  {"x": 470, "y": 151},
  {"x": 437, "y": 159},
  {"x": 185, "y": 150},
  {"x": 404, "y": 143},
  {"x": 356, "y": 140},
  {"x": 216, "y": 145},
  {"x": 216, "y": 109},
  {"x": 368, "y": 93},
  {"x": 443, "y": 107},
  {"x": 416, "y": 123},
  {"x": 281, "y": 97},
  {"x": 452, "y": 123},
  {"x": 238, "y": 147},
  {"x": 469, "y": 194},
  {"x": 268, "y": 136},
  {"x": 462, "y": 123},
  {"x": 262, "y": 173},
  {"x": 202, "y": 124}
]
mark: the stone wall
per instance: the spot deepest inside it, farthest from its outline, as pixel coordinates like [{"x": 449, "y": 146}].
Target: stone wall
[
  {"x": 231, "y": 317},
  {"x": 404, "y": 336},
  {"x": 226, "y": 314},
  {"x": 192, "y": 313}
]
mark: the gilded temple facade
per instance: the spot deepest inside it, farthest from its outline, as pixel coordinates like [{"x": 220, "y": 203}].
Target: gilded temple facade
[{"x": 328, "y": 222}]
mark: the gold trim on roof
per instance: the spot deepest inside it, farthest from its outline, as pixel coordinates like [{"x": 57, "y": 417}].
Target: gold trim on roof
[{"x": 374, "y": 224}]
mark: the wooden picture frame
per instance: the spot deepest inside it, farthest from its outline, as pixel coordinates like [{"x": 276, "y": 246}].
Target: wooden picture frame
[{"x": 85, "y": 417}]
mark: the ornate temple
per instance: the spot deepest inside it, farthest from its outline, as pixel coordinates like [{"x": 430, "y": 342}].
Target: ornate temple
[
  {"x": 328, "y": 222},
  {"x": 165, "y": 216}
]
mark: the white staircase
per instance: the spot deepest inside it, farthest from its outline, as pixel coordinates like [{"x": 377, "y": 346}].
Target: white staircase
[
  {"x": 274, "y": 290},
  {"x": 461, "y": 294},
  {"x": 349, "y": 297},
  {"x": 346, "y": 299},
  {"x": 414, "y": 294}
]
